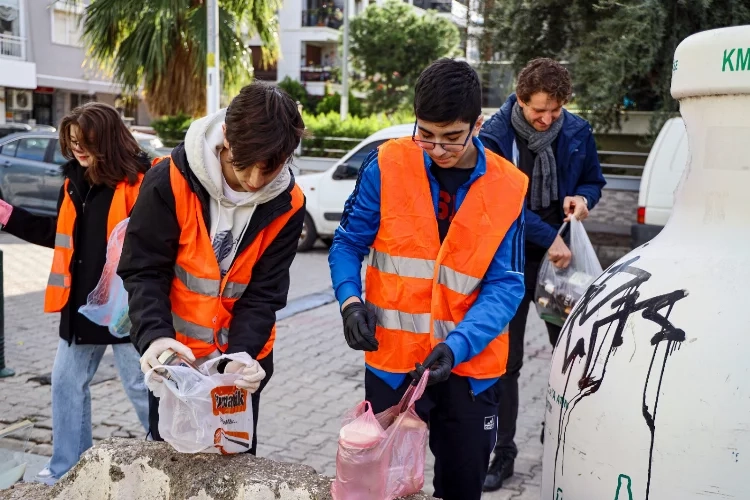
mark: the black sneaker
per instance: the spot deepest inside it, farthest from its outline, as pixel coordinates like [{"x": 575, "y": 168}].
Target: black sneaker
[{"x": 501, "y": 468}]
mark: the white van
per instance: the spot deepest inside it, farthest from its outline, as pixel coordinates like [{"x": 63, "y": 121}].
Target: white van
[
  {"x": 661, "y": 175},
  {"x": 326, "y": 192}
]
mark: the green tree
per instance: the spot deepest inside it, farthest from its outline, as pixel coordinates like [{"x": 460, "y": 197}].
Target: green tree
[
  {"x": 620, "y": 51},
  {"x": 391, "y": 45},
  {"x": 161, "y": 46},
  {"x": 295, "y": 89},
  {"x": 332, "y": 103}
]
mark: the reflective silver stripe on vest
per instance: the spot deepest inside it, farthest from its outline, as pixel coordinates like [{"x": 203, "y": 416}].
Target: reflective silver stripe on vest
[
  {"x": 403, "y": 266},
  {"x": 63, "y": 240},
  {"x": 443, "y": 328},
  {"x": 223, "y": 336},
  {"x": 422, "y": 268},
  {"x": 207, "y": 286},
  {"x": 56, "y": 279},
  {"x": 197, "y": 332},
  {"x": 234, "y": 290},
  {"x": 399, "y": 320},
  {"x": 203, "y": 286},
  {"x": 458, "y": 282}
]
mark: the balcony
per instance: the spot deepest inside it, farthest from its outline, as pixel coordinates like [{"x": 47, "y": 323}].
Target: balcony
[
  {"x": 13, "y": 47},
  {"x": 15, "y": 70},
  {"x": 316, "y": 74},
  {"x": 433, "y": 5},
  {"x": 453, "y": 10},
  {"x": 323, "y": 17}
]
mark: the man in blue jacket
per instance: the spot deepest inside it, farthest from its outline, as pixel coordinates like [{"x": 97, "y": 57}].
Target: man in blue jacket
[
  {"x": 556, "y": 150},
  {"x": 449, "y": 188}
]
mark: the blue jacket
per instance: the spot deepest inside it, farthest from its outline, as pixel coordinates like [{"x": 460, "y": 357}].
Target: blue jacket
[
  {"x": 578, "y": 169},
  {"x": 501, "y": 290}
]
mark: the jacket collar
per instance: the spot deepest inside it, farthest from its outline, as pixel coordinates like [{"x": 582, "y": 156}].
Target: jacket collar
[
  {"x": 503, "y": 129},
  {"x": 480, "y": 168}
]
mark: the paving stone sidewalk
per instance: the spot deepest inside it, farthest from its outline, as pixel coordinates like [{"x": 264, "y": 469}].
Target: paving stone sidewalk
[{"x": 316, "y": 377}]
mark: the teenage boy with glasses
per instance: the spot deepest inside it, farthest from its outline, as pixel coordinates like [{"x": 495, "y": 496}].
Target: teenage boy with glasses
[{"x": 442, "y": 222}]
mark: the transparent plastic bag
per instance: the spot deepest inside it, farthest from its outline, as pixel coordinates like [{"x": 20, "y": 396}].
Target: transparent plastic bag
[
  {"x": 107, "y": 304},
  {"x": 202, "y": 411},
  {"x": 558, "y": 290},
  {"x": 14, "y": 458},
  {"x": 382, "y": 457}
]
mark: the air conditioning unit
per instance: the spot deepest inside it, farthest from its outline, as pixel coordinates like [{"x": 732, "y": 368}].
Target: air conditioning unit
[{"x": 22, "y": 100}]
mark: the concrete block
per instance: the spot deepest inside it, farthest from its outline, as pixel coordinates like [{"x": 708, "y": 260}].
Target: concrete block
[{"x": 121, "y": 469}]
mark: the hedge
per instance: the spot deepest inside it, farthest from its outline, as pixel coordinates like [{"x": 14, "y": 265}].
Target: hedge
[
  {"x": 172, "y": 129},
  {"x": 320, "y": 127}
]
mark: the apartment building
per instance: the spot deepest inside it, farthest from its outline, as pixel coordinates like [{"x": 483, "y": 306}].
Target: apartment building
[
  {"x": 309, "y": 38},
  {"x": 43, "y": 74}
]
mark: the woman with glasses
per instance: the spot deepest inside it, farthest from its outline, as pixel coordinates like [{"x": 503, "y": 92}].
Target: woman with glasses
[{"x": 103, "y": 176}]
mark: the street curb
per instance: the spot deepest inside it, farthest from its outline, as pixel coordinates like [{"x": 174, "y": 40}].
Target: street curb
[{"x": 306, "y": 303}]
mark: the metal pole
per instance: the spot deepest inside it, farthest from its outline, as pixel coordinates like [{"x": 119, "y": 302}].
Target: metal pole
[
  {"x": 4, "y": 372},
  {"x": 345, "y": 66},
  {"x": 213, "y": 78}
]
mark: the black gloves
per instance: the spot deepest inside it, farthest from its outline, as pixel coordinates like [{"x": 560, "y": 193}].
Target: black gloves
[
  {"x": 439, "y": 362},
  {"x": 359, "y": 327}
]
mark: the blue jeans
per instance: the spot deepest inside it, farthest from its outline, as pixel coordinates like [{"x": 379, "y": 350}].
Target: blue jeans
[{"x": 75, "y": 366}]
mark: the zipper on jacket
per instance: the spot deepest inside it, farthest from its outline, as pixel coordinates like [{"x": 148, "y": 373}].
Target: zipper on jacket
[
  {"x": 78, "y": 193},
  {"x": 83, "y": 210},
  {"x": 471, "y": 394}
]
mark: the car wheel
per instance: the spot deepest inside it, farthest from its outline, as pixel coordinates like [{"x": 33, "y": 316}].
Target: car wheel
[
  {"x": 327, "y": 241},
  {"x": 308, "y": 236}
]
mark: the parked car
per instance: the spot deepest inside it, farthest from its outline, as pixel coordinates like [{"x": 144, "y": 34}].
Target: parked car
[
  {"x": 30, "y": 175},
  {"x": 326, "y": 192},
  {"x": 151, "y": 144},
  {"x": 43, "y": 128},
  {"x": 13, "y": 128},
  {"x": 661, "y": 175}
]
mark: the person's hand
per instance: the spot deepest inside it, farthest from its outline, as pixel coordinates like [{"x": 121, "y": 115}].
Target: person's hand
[
  {"x": 359, "y": 326},
  {"x": 575, "y": 206},
  {"x": 439, "y": 362},
  {"x": 150, "y": 358},
  {"x": 252, "y": 374},
  {"x": 559, "y": 253}
]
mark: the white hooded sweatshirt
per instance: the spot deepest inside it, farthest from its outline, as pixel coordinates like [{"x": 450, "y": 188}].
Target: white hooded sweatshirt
[{"x": 230, "y": 210}]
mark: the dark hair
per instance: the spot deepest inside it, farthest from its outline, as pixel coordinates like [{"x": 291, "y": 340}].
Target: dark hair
[
  {"x": 544, "y": 75},
  {"x": 114, "y": 152},
  {"x": 263, "y": 125},
  {"x": 448, "y": 91}
]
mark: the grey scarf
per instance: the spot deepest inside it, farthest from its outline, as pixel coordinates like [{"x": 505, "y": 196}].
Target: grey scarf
[{"x": 544, "y": 176}]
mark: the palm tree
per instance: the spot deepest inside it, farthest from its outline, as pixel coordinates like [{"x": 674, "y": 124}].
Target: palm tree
[{"x": 161, "y": 46}]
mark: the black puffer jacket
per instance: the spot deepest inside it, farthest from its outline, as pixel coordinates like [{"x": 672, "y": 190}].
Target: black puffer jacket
[
  {"x": 150, "y": 252},
  {"x": 89, "y": 249}
]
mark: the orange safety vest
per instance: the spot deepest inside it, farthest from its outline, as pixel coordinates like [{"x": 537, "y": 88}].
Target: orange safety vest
[
  {"x": 202, "y": 301},
  {"x": 419, "y": 289},
  {"x": 58, "y": 285}
]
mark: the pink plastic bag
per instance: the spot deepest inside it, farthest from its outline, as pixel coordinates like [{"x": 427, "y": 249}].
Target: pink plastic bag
[{"x": 381, "y": 457}]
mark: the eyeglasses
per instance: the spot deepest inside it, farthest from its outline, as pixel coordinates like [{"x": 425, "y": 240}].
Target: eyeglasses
[{"x": 450, "y": 147}]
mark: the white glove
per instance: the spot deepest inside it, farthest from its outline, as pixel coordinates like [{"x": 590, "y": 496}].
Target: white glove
[
  {"x": 150, "y": 358},
  {"x": 252, "y": 374}
]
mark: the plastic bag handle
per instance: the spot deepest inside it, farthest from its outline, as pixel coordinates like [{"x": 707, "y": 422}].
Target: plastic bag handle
[
  {"x": 413, "y": 393},
  {"x": 562, "y": 228}
]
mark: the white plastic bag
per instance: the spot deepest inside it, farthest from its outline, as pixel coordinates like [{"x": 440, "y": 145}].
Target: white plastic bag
[
  {"x": 202, "y": 411},
  {"x": 558, "y": 290},
  {"x": 107, "y": 304}
]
